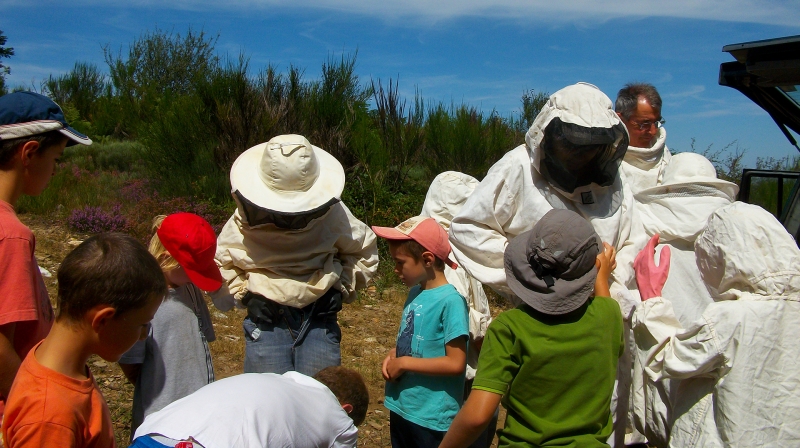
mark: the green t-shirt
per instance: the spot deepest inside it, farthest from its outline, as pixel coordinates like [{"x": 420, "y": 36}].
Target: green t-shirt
[{"x": 556, "y": 373}]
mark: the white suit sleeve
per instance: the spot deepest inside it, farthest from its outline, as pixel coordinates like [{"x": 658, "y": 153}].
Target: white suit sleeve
[
  {"x": 230, "y": 240},
  {"x": 358, "y": 253},
  {"x": 478, "y": 234},
  {"x": 676, "y": 352}
]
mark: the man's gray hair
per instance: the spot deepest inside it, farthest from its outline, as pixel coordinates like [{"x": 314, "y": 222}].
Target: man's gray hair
[{"x": 629, "y": 95}]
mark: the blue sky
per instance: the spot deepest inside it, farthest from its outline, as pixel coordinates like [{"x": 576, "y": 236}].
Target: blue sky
[{"x": 483, "y": 53}]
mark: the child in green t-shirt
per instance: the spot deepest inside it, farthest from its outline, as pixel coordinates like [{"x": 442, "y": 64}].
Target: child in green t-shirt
[
  {"x": 425, "y": 371},
  {"x": 553, "y": 359}
]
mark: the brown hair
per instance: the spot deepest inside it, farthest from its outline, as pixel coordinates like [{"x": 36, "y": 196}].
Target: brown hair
[
  {"x": 628, "y": 97},
  {"x": 9, "y": 147},
  {"x": 108, "y": 269},
  {"x": 349, "y": 388},
  {"x": 415, "y": 250}
]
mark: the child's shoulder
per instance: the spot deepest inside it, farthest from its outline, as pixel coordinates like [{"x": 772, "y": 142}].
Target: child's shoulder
[
  {"x": 10, "y": 225},
  {"x": 446, "y": 292},
  {"x": 606, "y": 305}
]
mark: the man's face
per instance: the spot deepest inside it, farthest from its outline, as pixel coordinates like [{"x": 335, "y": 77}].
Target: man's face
[{"x": 642, "y": 126}]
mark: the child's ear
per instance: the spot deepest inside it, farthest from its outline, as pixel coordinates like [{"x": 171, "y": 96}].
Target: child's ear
[
  {"x": 347, "y": 408},
  {"x": 28, "y": 150},
  {"x": 428, "y": 259},
  {"x": 100, "y": 316}
]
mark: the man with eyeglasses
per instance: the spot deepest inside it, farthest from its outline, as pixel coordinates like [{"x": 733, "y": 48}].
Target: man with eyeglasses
[{"x": 639, "y": 107}]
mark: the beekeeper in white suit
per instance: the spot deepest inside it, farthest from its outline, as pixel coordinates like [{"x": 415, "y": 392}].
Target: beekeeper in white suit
[
  {"x": 638, "y": 105},
  {"x": 570, "y": 160},
  {"x": 738, "y": 363},
  {"x": 677, "y": 210},
  {"x": 446, "y": 195}
]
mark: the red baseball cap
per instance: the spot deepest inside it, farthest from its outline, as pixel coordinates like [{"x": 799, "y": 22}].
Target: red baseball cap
[
  {"x": 192, "y": 243},
  {"x": 426, "y": 231}
]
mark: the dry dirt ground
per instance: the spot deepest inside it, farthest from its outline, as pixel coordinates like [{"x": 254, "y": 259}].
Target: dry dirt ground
[{"x": 369, "y": 328}]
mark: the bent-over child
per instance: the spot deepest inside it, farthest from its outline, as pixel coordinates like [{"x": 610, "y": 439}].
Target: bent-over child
[
  {"x": 553, "y": 359},
  {"x": 33, "y": 135},
  {"x": 109, "y": 288},
  {"x": 425, "y": 371},
  {"x": 174, "y": 360},
  {"x": 264, "y": 410}
]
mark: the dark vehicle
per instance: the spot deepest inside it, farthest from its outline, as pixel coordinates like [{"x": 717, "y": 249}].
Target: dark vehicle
[{"x": 768, "y": 72}]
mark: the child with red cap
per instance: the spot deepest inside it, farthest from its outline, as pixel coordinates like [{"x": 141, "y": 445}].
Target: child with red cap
[
  {"x": 425, "y": 372},
  {"x": 174, "y": 360}
]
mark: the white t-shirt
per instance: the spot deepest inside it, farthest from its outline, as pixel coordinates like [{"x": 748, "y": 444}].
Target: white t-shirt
[{"x": 257, "y": 410}]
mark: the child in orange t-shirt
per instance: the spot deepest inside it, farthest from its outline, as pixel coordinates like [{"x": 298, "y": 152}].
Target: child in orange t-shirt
[{"x": 109, "y": 289}]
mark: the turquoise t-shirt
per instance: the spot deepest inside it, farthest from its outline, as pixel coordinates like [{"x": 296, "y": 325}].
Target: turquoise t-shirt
[
  {"x": 556, "y": 373},
  {"x": 430, "y": 320}
]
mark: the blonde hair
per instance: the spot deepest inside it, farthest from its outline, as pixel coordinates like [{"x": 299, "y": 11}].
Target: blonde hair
[{"x": 165, "y": 260}]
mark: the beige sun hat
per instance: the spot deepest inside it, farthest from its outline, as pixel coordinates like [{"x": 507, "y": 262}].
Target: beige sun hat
[{"x": 287, "y": 174}]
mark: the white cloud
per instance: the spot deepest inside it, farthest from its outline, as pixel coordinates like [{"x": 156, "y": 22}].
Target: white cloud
[
  {"x": 772, "y": 12},
  {"x": 689, "y": 92}
]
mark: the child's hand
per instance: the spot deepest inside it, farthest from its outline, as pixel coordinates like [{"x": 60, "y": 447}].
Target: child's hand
[
  {"x": 605, "y": 263},
  {"x": 385, "y": 366},
  {"x": 651, "y": 278}
]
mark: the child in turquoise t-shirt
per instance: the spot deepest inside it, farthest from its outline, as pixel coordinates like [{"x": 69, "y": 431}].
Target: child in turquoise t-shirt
[
  {"x": 425, "y": 372},
  {"x": 553, "y": 359}
]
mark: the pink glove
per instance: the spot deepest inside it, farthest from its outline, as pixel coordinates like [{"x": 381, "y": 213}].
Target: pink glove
[{"x": 651, "y": 278}]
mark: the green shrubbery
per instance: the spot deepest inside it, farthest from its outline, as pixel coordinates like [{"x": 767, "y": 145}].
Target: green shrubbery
[{"x": 173, "y": 112}]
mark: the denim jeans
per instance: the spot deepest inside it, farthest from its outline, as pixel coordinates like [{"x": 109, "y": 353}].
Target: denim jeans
[{"x": 296, "y": 340}]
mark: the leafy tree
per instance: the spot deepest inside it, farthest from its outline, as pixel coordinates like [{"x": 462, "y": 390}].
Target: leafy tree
[
  {"x": 158, "y": 65},
  {"x": 81, "y": 88},
  {"x": 5, "y": 52}
]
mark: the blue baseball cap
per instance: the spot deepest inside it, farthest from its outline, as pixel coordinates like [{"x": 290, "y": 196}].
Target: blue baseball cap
[{"x": 24, "y": 114}]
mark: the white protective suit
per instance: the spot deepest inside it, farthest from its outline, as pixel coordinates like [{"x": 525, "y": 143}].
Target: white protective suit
[
  {"x": 514, "y": 195},
  {"x": 738, "y": 363},
  {"x": 678, "y": 211},
  {"x": 644, "y": 167},
  {"x": 446, "y": 195},
  {"x": 296, "y": 267}
]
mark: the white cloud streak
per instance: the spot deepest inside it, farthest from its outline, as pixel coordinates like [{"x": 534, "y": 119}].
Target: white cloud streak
[{"x": 770, "y": 12}]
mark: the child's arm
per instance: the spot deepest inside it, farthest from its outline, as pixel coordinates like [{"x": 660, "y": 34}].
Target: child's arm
[
  {"x": 9, "y": 360},
  {"x": 452, "y": 363},
  {"x": 131, "y": 371},
  {"x": 471, "y": 419},
  {"x": 606, "y": 262}
]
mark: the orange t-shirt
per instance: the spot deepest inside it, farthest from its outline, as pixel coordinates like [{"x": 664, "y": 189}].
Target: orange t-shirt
[
  {"x": 23, "y": 296},
  {"x": 47, "y": 408}
]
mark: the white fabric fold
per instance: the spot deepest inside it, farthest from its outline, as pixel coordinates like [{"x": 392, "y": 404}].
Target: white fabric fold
[
  {"x": 737, "y": 363},
  {"x": 296, "y": 267}
]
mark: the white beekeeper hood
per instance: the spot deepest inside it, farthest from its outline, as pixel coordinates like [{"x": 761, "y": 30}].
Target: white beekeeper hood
[
  {"x": 584, "y": 116},
  {"x": 744, "y": 251},
  {"x": 678, "y": 209}
]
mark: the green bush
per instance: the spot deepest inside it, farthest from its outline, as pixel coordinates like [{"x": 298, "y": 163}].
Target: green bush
[{"x": 81, "y": 88}]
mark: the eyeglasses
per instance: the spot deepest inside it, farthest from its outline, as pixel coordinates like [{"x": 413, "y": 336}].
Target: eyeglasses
[{"x": 645, "y": 125}]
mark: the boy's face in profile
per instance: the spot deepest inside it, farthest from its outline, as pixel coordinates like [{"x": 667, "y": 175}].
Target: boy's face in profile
[
  {"x": 176, "y": 277},
  {"x": 119, "y": 333},
  {"x": 41, "y": 167},
  {"x": 410, "y": 271}
]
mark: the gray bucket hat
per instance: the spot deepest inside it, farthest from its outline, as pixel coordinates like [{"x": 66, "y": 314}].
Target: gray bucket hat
[{"x": 552, "y": 266}]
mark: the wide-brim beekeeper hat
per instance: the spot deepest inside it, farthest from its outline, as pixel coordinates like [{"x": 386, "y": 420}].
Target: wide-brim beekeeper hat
[
  {"x": 288, "y": 175},
  {"x": 552, "y": 266}
]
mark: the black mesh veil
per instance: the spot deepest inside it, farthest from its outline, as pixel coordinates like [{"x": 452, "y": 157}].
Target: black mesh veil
[{"x": 574, "y": 156}]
